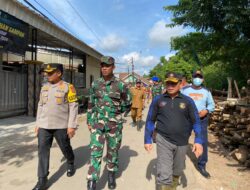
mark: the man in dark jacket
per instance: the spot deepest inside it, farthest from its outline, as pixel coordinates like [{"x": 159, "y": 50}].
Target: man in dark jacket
[{"x": 175, "y": 116}]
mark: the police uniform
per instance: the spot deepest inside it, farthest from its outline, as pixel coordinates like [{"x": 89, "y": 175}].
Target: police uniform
[
  {"x": 57, "y": 111},
  {"x": 108, "y": 100},
  {"x": 138, "y": 98}
]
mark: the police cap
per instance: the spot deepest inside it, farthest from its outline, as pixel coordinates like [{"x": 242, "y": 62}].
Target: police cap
[{"x": 50, "y": 67}]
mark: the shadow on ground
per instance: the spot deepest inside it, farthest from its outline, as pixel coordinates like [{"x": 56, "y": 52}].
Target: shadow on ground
[
  {"x": 151, "y": 174},
  {"x": 82, "y": 155},
  {"x": 125, "y": 154},
  {"x": 17, "y": 145}
]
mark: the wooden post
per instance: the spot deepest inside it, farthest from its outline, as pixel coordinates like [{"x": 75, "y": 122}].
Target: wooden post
[
  {"x": 237, "y": 89},
  {"x": 229, "y": 91}
]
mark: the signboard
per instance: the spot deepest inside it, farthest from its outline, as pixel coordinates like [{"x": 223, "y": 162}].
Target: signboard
[{"x": 13, "y": 34}]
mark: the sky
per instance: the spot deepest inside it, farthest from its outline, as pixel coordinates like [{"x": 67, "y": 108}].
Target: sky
[{"x": 124, "y": 29}]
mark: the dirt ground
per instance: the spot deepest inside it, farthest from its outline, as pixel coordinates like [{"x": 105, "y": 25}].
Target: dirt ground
[
  {"x": 226, "y": 172},
  {"x": 18, "y": 159}
]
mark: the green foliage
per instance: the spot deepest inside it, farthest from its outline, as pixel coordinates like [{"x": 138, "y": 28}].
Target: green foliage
[
  {"x": 179, "y": 63},
  {"x": 221, "y": 43}
]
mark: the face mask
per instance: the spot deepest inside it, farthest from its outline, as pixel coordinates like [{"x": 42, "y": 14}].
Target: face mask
[{"x": 197, "y": 81}]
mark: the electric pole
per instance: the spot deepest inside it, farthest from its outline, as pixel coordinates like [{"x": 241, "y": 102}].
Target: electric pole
[{"x": 133, "y": 70}]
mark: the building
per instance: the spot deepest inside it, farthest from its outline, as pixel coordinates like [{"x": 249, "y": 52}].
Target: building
[
  {"x": 131, "y": 78},
  {"x": 27, "y": 40}
]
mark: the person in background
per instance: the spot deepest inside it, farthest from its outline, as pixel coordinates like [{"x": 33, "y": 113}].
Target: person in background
[
  {"x": 156, "y": 88},
  {"x": 109, "y": 99},
  {"x": 205, "y": 104},
  {"x": 56, "y": 117},
  {"x": 138, "y": 102},
  {"x": 184, "y": 82}
]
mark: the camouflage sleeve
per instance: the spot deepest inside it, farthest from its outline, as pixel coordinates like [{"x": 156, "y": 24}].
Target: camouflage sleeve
[
  {"x": 126, "y": 99},
  {"x": 91, "y": 106}
]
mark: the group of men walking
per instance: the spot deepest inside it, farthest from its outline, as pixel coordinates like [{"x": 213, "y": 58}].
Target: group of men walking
[{"x": 175, "y": 114}]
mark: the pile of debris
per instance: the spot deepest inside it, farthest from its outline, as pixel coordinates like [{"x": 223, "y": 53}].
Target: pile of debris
[{"x": 231, "y": 122}]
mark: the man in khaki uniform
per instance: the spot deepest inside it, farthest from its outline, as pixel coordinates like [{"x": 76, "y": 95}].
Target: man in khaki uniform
[
  {"x": 138, "y": 99},
  {"x": 56, "y": 117}
]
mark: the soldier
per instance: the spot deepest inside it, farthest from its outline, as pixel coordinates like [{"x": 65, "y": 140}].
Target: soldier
[
  {"x": 109, "y": 98},
  {"x": 56, "y": 117},
  {"x": 157, "y": 88},
  {"x": 138, "y": 101}
]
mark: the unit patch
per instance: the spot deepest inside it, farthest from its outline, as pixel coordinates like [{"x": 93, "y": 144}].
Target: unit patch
[{"x": 182, "y": 105}]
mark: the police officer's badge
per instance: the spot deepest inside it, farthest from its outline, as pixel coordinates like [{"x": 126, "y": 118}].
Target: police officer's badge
[{"x": 182, "y": 105}]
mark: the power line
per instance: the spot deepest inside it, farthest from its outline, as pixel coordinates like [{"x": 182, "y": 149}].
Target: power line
[
  {"x": 32, "y": 6},
  {"x": 83, "y": 20},
  {"x": 49, "y": 14}
]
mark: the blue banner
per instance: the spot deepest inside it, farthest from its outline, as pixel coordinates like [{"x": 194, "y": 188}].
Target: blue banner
[{"x": 13, "y": 34}]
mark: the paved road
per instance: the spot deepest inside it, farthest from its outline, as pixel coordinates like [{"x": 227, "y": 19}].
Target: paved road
[{"x": 18, "y": 159}]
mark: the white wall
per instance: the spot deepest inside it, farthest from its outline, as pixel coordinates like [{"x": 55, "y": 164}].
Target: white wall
[{"x": 92, "y": 68}]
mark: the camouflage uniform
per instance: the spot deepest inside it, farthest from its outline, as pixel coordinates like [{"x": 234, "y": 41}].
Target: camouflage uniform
[
  {"x": 156, "y": 90},
  {"x": 108, "y": 100}
]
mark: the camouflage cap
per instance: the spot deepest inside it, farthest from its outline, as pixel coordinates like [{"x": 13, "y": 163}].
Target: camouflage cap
[
  {"x": 50, "y": 67},
  {"x": 108, "y": 60}
]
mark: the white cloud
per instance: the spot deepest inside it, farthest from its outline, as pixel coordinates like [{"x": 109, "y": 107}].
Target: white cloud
[
  {"x": 160, "y": 35},
  {"x": 142, "y": 64},
  {"x": 112, "y": 43}
]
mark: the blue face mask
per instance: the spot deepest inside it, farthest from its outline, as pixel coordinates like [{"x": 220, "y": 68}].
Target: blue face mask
[{"x": 197, "y": 81}]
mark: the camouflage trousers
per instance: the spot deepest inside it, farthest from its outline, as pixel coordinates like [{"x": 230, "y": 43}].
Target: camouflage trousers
[{"x": 113, "y": 137}]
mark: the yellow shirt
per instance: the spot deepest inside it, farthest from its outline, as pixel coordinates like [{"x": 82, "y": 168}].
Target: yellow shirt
[{"x": 138, "y": 96}]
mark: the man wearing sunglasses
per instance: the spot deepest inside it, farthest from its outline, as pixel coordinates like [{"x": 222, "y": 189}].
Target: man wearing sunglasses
[
  {"x": 205, "y": 104},
  {"x": 175, "y": 116}
]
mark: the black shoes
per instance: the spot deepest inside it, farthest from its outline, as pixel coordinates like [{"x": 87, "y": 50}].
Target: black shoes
[
  {"x": 91, "y": 185},
  {"x": 111, "y": 180},
  {"x": 204, "y": 172},
  {"x": 71, "y": 170},
  {"x": 41, "y": 184}
]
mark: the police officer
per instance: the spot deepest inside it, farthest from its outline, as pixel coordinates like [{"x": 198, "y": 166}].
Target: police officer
[
  {"x": 138, "y": 101},
  {"x": 109, "y": 98},
  {"x": 156, "y": 88},
  {"x": 175, "y": 116},
  {"x": 56, "y": 117},
  {"x": 205, "y": 104}
]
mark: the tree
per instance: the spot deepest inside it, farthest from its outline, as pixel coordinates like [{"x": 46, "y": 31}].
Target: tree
[{"x": 223, "y": 33}]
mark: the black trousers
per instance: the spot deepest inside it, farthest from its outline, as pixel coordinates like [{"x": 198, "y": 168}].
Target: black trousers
[{"x": 45, "y": 139}]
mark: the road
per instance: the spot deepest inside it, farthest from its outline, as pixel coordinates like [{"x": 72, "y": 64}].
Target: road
[{"x": 18, "y": 159}]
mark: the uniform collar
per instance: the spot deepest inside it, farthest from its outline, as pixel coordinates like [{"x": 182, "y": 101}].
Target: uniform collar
[
  {"x": 179, "y": 95},
  {"x": 109, "y": 81}
]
